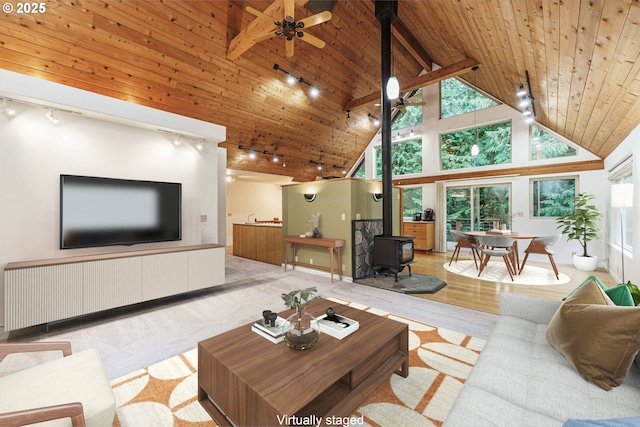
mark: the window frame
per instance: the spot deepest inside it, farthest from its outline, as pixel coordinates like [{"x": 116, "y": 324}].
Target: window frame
[{"x": 532, "y": 204}]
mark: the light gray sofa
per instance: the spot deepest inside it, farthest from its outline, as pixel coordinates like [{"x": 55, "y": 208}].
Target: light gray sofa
[{"x": 521, "y": 380}]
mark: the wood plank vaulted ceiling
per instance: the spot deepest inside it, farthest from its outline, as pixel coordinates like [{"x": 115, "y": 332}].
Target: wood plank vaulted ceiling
[{"x": 582, "y": 57}]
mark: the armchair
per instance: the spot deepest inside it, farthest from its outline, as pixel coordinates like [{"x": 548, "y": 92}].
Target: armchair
[{"x": 73, "y": 387}]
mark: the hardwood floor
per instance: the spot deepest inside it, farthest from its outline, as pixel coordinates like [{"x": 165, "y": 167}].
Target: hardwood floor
[{"x": 484, "y": 295}]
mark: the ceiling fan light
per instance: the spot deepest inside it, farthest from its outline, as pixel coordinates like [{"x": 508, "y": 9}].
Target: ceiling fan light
[{"x": 393, "y": 88}]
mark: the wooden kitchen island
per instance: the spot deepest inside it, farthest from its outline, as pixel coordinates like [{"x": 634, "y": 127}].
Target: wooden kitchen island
[{"x": 260, "y": 242}]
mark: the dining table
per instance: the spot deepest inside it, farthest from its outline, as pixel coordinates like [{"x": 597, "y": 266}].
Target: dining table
[{"x": 516, "y": 235}]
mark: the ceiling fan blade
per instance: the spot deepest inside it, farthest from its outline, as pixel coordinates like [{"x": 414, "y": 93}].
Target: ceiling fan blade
[
  {"x": 316, "y": 19},
  {"x": 289, "y": 47},
  {"x": 313, "y": 40},
  {"x": 265, "y": 37},
  {"x": 259, "y": 14},
  {"x": 289, "y": 8}
]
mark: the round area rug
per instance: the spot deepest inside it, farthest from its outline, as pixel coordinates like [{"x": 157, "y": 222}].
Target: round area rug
[{"x": 496, "y": 271}]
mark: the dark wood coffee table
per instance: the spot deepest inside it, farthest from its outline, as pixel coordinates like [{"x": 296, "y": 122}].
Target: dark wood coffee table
[{"x": 245, "y": 380}]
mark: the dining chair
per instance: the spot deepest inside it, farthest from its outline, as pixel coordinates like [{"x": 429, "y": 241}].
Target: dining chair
[
  {"x": 497, "y": 246},
  {"x": 464, "y": 241},
  {"x": 540, "y": 245}
]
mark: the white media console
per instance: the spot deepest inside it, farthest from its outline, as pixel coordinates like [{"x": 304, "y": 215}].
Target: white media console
[{"x": 37, "y": 292}]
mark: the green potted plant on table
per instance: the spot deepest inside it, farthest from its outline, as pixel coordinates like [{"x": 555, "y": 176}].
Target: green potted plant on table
[
  {"x": 582, "y": 225},
  {"x": 301, "y": 329}
]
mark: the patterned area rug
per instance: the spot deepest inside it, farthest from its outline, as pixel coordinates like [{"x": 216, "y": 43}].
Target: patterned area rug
[
  {"x": 165, "y": 394},
  {"x": 496, "y": 271}
]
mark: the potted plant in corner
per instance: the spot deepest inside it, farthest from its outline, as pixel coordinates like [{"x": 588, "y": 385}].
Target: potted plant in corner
[{"x": 582, "y": 225}]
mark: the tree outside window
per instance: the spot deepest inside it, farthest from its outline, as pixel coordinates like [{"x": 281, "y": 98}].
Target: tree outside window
[
  {"x": 406, "y": 158},
  {"x": 457, "y": 98},
  {"x": 552, "y": 197},
  {"x": 546, "y": 146},
  {"x": 412, "y": 201},
  {"x": 493, "y": 142}
]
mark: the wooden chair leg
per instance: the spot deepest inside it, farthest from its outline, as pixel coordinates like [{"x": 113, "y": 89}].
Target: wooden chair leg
[
  {"x": 524, "y": 261},
  {"x": 507, "y": 262},
  {"x": 455, "y": 251},
  {"x": 555, "y": 269},
  {"x": 473, "y": 251},
  {"x": 483, "y": 264}
]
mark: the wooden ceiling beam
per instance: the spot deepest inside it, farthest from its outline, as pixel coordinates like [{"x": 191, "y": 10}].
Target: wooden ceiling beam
[
  {"x": 247, "y": 37},
  {"x": 587, "y": 165},
  {"x": 406, "y": 39},
  {"x": 453, "y": 70}
]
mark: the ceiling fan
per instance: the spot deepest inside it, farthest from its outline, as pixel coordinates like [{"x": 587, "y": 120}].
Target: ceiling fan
[
  {"x": 402, "y": 102},
  {"x": 290, "y": 28}
]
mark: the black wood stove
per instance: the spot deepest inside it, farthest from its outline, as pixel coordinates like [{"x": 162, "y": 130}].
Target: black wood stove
[{"x": 392, "y": 253}]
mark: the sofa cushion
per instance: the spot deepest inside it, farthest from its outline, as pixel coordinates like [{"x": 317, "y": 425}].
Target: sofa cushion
[
  {"x": 76, "y": 378},
  {"x": 620, "y": 294},
  {"x": 599, "y": 338}
]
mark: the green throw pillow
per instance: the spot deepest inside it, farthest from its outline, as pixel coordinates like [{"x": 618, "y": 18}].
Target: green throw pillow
[{"x": 620, "y": 294}]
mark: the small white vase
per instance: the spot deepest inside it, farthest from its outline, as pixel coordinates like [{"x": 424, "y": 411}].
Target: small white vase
[{"x": 585, "y": 263}]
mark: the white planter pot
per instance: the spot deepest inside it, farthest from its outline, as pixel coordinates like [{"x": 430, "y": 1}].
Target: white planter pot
[{"x": 585, "y": 263}]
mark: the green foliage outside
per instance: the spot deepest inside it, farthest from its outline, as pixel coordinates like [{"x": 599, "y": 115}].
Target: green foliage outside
[
  {"x": 458, "y": 98},
  {"x": 546, "y": 146},
  {"x": 406, "y": 158},
  {"x": 494, "y": 142},
  {"x": 490, "y": 203},
  {"x": 412, "y": 201},
  {"x": 553, "y": 197},
  {"x": 359, "y": 173}
]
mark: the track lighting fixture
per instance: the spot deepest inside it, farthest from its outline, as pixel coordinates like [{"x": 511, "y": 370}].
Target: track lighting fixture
[
  {"x": 6, "y": 109},
  {"x": 374, "y": 120},
  {"x": 314, "y": 91},
  {"x": 177, "y": 140},
  {"x": 526, "y": 100},
  {"x": 53, "y": 119},
  {"x": 253, "y": 154}
]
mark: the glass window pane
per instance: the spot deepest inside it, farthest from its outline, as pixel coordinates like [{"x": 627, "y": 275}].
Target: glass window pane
[
  {"x": 359, "y": 172},
  {"x": 412, "y": 198},
  {"x": 457, "y": 97},
  {"x": 493, "y": 143},
  {"x": 552, "y": 197},
  {"x": 546, "y": 146},
  {"x": 406, "y": 158}
]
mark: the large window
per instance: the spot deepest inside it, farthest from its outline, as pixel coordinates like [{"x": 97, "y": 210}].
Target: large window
[
  {"x": 478, "y": 208},
  {"x": 624, "y": 215},
  {"x": 406, "y": 158},
  {"x": 458, "y": 98},
  {"x": 546, "y": 146},
  {"x": 412, "y": 200},
  {"x": 480, "y": 146},
  {"x": 552, "y": 197},
  {"x": 360, "y": 170}
]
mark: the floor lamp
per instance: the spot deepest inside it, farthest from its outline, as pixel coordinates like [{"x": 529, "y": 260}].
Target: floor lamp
[{"x": 622, "y": 197}]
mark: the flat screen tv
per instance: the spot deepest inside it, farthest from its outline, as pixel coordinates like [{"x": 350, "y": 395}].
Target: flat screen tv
[{"x": 105, "y": 211}]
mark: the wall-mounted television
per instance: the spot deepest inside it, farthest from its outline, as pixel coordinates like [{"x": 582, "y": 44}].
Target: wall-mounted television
[{"x": 106, "y": 211}]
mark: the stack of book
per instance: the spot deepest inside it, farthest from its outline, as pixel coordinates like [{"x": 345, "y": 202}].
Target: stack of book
[{"x": 275, "y": 334}]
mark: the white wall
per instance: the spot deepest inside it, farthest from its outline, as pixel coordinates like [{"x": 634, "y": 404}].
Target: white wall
[
  {"x": 245, "y": 198},
  {"x": 593, "y": 182},
  {"x": 34, "y": 152}
]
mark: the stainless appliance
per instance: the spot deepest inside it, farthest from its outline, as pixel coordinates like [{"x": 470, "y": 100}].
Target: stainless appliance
[
  {"x": 417, "y": 216},
  {"x": 428, "y": 214}
]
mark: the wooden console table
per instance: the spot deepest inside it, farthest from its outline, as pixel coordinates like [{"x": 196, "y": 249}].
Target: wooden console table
[{"x": 333, "y": 245}]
